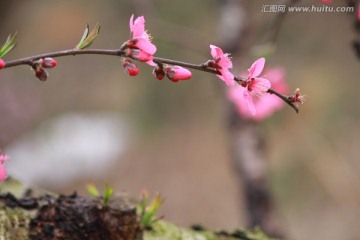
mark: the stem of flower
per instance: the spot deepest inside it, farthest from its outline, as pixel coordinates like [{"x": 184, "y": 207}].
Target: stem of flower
[{"x": 119, "y": 52}]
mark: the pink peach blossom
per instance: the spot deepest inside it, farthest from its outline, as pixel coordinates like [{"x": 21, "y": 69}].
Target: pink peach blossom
[
  {"x": 358, "y": 12},
  {"x": 265, "y": 105},
  {"x": 254, "y": 84},
  {"x": 222, "y": 63},
  {"x": 140, "y": 39}
]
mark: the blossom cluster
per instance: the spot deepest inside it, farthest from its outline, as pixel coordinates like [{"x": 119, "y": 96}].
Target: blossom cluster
[
  {"x": 249, "y": 94},
  {"x": 139, "y": 47}
]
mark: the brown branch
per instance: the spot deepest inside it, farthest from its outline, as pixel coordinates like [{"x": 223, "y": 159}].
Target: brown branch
[{"x": 121, "y": 53}]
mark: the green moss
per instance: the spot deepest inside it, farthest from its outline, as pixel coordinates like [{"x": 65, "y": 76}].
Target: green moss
[
  {"x": 14, "y": 223},
  {"x": 164, "y": 231}
]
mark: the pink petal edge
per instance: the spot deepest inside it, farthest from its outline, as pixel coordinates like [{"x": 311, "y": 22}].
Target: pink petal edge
[{"x": 256, "y": 68}]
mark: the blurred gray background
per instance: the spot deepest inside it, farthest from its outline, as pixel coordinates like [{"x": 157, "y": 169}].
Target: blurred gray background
[{"x": 91, "y": 123}]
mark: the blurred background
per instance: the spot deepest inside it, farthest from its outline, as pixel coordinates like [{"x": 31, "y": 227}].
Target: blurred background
[{"x": 92, "y": 123}]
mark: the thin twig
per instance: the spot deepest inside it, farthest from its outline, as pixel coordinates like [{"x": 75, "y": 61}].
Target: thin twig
[{"x": 120, "y": 53}]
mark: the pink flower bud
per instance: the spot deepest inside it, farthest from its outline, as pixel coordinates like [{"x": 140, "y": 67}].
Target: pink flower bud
[
  {"x": 2, "y": 63},
  {"x": 177, "y": 73},
  {"x": 138, "y": 54},
  {"x": 130, "y": 68},
  {"x": 159, "y": 73},
  {"x": 47, "y": 62},
  {"x": 41, "y": 74}
]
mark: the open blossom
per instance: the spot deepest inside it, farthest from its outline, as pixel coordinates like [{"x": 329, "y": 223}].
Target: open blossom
[
  {"x": 177, "y": 73},
  {"x": 265, "y": 105},
  {"x": 255, "y": 85},
  {"x": 140, "y": 40},
  {"x": 3, "y": 174},
  {"x": 222, "y": 63},
  {"x": 2, "y": 63}
]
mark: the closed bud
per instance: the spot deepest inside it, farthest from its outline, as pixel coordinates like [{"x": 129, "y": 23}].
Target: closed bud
[
  {"x": 130, "y": 68},
  {"x": 41, "y": 74},
  {"x": 159, "y": 73},
  {"x": 2, "y": 63},
  {"x": 177, "y": 73},
  {"x": 138, "y": 54},
  {"x": 47, "y": 62}
]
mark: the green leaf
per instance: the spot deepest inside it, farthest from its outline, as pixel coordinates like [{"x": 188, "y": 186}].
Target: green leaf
[
  {"x": 108, "y": 192},
  {"x": 8, "y": 45},
  {"x": 92, "y": 190},
  {"x": 147, "y": 214},
  {"x": 88, "y": 38}
]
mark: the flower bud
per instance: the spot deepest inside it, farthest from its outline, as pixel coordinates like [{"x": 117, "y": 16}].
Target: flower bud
[
  {"x": 138, "y": 54},
  {"x": 47, "y": 62},
  {"x": 177, "y": 73},
  {"x": 41, "y": 74},
  {"x": 130, "y": 68},
  {"x": 2, "y": 63},
  {"x": 159, "y": 73},
  {"x": 297, "y": 98}
]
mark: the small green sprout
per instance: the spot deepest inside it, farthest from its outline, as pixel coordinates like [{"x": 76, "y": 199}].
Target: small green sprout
[
  {"x": 88, "y": 37},
  {"x": 147, "y": 210},
  {"x": 108, "y": 192},
  {"x": 93, "y": 191},
  {"x": 8, "y": 45}
]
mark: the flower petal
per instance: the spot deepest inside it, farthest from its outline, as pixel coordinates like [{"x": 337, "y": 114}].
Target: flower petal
[
  {"x": 137, "y": 27},
  {"x": 131, "y": 24},
  {"x": 250, "y": 103},
  {"x": 225, "y": 62},
  {"x": 151, "y": 63},
  {"x": 216, "y": 51},
  {"x": 146, "y": 46},
  {"x": 256, "y": 68},
  {"x": 259, "y": 86},
  {"x": 227, "y": 77}
]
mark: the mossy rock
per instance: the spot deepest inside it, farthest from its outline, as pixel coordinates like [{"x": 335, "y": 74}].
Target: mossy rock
[{"x": 27, "y": 213}]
